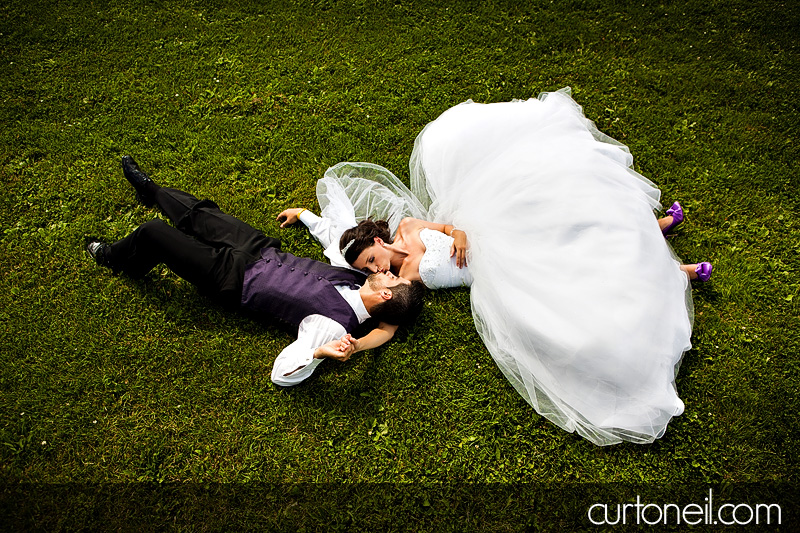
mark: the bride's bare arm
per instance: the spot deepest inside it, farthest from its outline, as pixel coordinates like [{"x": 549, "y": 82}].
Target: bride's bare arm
[
  {"x": 459, "y": 247},
  {"x": 377, "y": 337}
]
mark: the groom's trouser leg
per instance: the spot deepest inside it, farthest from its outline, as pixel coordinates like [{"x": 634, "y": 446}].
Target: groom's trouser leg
[
  {"x": 216, "y": 271},
  {"x": 204, "y": 220},
  {"x": 207, "y": 247}
]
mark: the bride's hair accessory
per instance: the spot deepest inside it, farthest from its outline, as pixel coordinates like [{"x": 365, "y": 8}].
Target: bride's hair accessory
[{"x": 347, "y": 246}]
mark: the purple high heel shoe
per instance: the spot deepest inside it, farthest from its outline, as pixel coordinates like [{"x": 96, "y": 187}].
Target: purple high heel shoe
[
  {"x": 704, "y": 271},
  {"x": 676, "y": 212}
]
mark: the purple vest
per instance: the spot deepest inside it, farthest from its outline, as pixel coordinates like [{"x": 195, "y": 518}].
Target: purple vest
[{"x": 291, "y": 288}]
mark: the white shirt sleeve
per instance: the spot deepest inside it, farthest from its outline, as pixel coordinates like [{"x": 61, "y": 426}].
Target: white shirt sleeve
[
  {"x": 320, "y": 228},
  {"x": 296, "y": 362},
  {"x": 328, "y": 236}
]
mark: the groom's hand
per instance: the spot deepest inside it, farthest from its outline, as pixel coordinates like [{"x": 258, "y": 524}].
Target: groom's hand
[
  {"x": 335, "y": 350},
  {"x": 348, "y": 342},
  {"x": 289, "y": 216}
]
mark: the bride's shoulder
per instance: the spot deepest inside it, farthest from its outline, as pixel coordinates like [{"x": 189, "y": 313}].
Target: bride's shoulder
[
  {"x": 408, "y": 226},
  {"x": 409, "y": 222}
]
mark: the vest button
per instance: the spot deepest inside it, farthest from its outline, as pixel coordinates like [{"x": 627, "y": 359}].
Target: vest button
[
  {"x": 305, "y": 273},
  {"x": 280, "y": 264},
  {"x": 292, "y": 269},
  {"x": 319, "y": 278}
]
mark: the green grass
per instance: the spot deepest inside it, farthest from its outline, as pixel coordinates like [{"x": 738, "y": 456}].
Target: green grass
[{"x": 105, "y": 379}]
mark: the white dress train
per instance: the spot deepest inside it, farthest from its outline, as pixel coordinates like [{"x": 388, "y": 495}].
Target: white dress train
[{"x": 576, "y": 294}]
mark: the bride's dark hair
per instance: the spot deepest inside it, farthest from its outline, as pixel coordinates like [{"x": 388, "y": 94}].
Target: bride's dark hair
[{"x": 357, "y": 239}]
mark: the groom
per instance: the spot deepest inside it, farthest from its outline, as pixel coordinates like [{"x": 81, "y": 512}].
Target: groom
[{"x": 241, "y": 267}]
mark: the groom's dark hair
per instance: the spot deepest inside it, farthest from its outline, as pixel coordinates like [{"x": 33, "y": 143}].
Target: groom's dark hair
[{"x": 404, "y": 305}]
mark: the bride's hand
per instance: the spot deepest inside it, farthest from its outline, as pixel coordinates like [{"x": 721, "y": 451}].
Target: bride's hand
[
  {"x": 334, "y": 350},
  {"x": 289, "y": 216},
  {"x": 348, "y": 341},
  {"x": 459, "y": 247}
]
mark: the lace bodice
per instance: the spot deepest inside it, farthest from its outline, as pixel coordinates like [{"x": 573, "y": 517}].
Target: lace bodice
[{"x": 437, "y": 269}]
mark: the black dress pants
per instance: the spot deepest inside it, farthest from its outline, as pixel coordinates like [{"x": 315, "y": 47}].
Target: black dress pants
[{"x": 206, "y": 247}]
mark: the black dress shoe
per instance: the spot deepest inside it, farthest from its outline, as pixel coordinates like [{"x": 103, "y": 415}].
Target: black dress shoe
[
  {"x": 98, "y": 250},
  {"x": 144, "y": 186}
]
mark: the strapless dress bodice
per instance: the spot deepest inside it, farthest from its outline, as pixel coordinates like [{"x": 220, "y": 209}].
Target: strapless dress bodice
[{"x": 437, "y": 269}]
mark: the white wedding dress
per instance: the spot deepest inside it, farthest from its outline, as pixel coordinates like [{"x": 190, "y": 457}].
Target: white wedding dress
[{"x": 575, "y": 292}]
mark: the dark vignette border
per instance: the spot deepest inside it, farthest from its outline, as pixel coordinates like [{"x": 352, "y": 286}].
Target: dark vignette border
[{"x": 360, "y": 506}]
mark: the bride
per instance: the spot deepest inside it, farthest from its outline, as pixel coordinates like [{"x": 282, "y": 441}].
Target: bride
[{"x": 574, "y": 290}]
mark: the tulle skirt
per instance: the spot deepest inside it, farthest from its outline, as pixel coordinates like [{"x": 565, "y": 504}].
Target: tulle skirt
[{"x": 576, "y": 293}]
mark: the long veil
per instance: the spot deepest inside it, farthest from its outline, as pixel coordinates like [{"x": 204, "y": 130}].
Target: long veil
[{"x": 576, "y": 294}]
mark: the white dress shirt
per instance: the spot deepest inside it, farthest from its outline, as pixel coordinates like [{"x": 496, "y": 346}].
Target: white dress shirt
[
  {"x": 323, "y": 230},
  {"x": 296, "y": 362}
]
